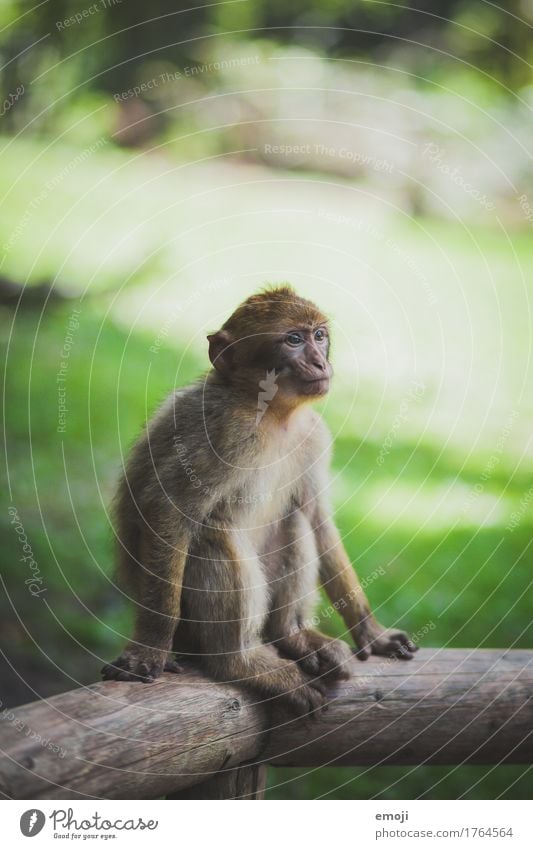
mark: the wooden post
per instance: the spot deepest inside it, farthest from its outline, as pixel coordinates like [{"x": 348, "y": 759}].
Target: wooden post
[{"x": 243, "y": 782}]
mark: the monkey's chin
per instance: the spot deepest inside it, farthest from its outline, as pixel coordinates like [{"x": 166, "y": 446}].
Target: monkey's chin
[{"x": 315, "y": 388}]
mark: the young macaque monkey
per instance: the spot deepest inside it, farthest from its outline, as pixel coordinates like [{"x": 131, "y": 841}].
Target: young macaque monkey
[{"x": 223, "y": 521}]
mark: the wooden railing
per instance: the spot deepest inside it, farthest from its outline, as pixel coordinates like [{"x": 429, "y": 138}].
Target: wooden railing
[{"x": 187, "y": 737}]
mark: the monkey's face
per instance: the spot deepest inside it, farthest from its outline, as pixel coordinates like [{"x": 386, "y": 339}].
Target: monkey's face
[
  {"x": 301, "y": 361},
  {"x": 275, "y": 342}
]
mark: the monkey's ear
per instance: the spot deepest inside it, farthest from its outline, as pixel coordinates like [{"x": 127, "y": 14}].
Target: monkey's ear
[{"x": 221, "y": 351}]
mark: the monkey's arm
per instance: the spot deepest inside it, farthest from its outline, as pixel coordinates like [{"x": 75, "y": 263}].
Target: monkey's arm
[
  {"x": 345, "y": 592},
  {"x": 158, "y": 589}
]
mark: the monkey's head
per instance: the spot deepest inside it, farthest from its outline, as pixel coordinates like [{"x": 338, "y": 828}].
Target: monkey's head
[{"x": 278, "y": 337}]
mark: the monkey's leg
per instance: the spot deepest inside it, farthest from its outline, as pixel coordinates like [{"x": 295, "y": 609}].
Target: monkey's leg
[
  {"x": 158, "y": 584},
  {"x": 225, "y": 600},
  {"x": 345, "y": 591},
  {"x": 292, "y": 568}
]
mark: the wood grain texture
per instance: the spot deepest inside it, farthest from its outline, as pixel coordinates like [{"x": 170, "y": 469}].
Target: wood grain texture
[
  {"x": 128, "y": 740},
  {"x": 444, "y": 707},
  {"x": 243, "y": 782}
]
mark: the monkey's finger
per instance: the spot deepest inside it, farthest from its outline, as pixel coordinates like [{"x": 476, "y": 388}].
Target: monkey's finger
[
  {"x": 110, "y": 671},
  {"x": 386, "y": 647},
  {"x": 140, "y": 672},
  {"x": 316, "y": 698},
  {"x": 145, "y": 677},
  {"x": 393, "y": 647},
  {"x": 309, "y": 699},
  {"x": 397, "y": 649},
  {"x": 404, "y": 639},
  {"x": 310, "y": 664},
  {"x": 125, "y": 676},
  {"x": 319, "y": 685},
  {"x": 340, "y": 673},
  {"x": 405, "y": 654},
  {"x": 363, "y": 652},
  {"x": 333, "y": 660},
  {"x": 300, "y": 702},
  {"x": 173, "y": 666}
]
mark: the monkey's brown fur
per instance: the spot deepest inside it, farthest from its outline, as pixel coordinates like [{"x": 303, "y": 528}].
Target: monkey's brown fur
[{"x": 223, "y": 521}]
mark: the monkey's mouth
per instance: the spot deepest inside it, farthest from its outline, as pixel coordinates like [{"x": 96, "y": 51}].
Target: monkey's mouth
[{"x": 316, "y": 386}]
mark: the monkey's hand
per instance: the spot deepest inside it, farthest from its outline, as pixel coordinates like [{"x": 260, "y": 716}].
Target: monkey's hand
[
  {"x": 373, "y": 638},
  {"x": 137, "y": 663}
]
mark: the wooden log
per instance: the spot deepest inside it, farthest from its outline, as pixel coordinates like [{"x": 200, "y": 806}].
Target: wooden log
[
  {"x": 444, "y": 707},
  {"x": 125, "y": 740},
  {"x": 128, "y": 740}
]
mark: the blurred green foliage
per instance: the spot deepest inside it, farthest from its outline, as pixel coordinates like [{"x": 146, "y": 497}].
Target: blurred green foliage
[
  {"x": 71, "y": 53},
  {"x": 116, "y": 38}
]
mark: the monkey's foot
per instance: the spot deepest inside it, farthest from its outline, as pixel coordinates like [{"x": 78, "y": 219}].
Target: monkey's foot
[
  {"x": 139, "y": 665},
  {"x": 308, "y": 699},
  {"x": 331, "y": 660},
  {"x": 387, "y": 642},
  {"x": 318, "y": 655}
]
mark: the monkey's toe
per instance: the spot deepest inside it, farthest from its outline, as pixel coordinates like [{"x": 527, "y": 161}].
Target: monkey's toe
[
  {"x": 331, "y": 660},
  {"x": 129, "y": 667},
  {"x": 335, "y": 660},
  {"x": 310, "y": 663},
  {"x": 308, "y": 700}
]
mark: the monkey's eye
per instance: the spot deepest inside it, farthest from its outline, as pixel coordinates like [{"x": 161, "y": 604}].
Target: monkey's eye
[
  {"x": 320, "y": 335},
  {"x": 294, "y": 339}
]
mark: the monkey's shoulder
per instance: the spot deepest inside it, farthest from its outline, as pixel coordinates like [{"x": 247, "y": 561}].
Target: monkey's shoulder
[
  {"x": 200, "y": 421},
  {"x": 184, "y": 409}
]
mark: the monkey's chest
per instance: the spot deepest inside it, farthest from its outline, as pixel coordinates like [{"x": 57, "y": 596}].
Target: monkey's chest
[{"x": 259, "y": 501}]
